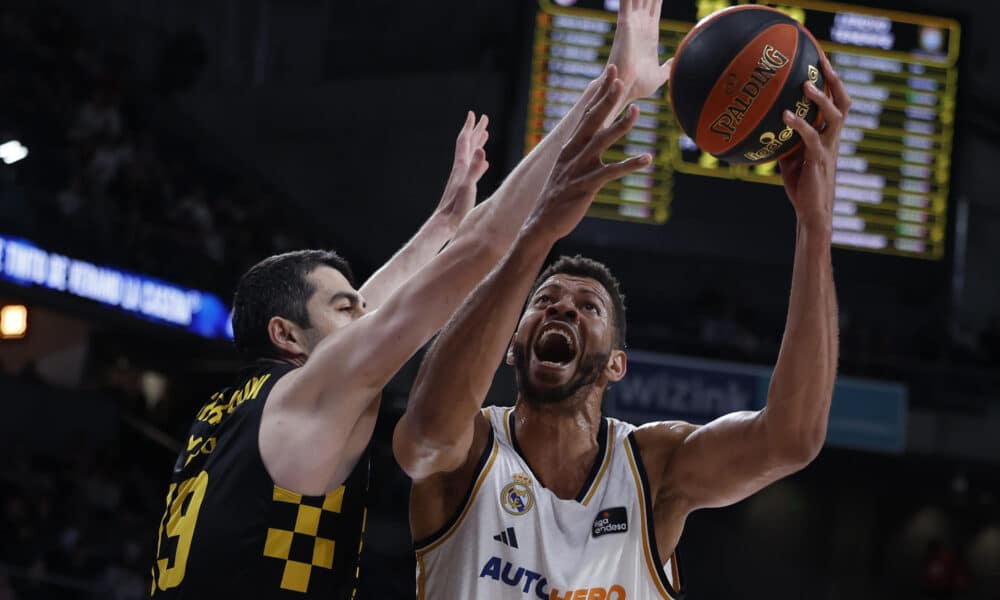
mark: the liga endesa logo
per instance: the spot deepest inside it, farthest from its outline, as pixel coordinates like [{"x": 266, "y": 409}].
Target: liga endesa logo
[
  {"x": 610, "y": 520},
  {"x": 535, "y": 584}
]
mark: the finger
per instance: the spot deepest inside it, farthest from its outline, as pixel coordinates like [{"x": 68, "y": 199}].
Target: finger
[
  {"x": 654, "y": 9},
  {"x": 605, "y": 138},
  {"x": 831, "y": 114},
  {"x": 483, "y": 138},
  {"x": 480, "y": 134},
  {"x": 577, "y": 138},
  {"x": 479, "y": 165},
  {"x": 610, "y": 75},
  {"x": 666, "y": 69},
  {"x": 461, "y": 144},
  {"x": 837, "y": 88},
  {"x": 594, "y": 94},
  {"x": 598, "y": 178},
  {"x": 811, "y": 138},
  {"x": 594, "y": 87},
  {"x": 596, "y": 116},
  {"x": 821, "y": 98}
]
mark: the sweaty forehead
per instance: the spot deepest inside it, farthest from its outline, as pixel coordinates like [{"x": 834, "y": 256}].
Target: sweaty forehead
[
  {"x": 328, "y": 279},
  {"x": 577, "y": 283}
]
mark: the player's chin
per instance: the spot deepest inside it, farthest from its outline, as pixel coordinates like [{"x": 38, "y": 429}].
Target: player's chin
[{"x": 551, "y": 374}]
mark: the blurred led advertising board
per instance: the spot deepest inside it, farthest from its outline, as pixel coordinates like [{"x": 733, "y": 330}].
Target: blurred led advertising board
[
  {"x": 201, "y": 313},
  {"x": 894, "y": 170}
]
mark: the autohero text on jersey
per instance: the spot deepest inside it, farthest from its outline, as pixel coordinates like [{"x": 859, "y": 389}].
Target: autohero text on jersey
[{"x": 529, "y": 581}]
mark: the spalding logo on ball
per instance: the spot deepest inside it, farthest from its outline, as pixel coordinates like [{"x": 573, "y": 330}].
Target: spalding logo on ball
[{"x": 734, "y": 75}]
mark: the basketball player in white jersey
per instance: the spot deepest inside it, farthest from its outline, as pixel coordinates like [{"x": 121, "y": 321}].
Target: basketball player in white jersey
[{"x": 550, "y": 500}]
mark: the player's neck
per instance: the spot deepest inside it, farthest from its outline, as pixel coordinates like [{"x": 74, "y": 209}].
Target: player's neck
[{"x": 559, "y": 443}]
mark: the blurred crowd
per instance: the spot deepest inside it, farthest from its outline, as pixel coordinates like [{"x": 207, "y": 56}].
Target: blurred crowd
[
  {"x": 76, "y": 526},
  {"x": 106, "y": 184},
  {"x": 715, "y": 323}
]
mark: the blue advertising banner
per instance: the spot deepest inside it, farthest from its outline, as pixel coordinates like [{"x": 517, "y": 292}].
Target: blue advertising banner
[
  {"x": 201, "y": 313},
  {"x": 660, "y": 387},
  {"x": 866, "y": 415}
]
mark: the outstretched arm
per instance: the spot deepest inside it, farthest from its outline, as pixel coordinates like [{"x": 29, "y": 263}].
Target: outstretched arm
[
  {"x": 636, "y": 48},
  {"x": 738, "y": 454},
  {"x": 634, "y": 56},
  {"x": 312, "y": 412},
  {"x": 459, "y": 196},
  {"x": 308, "y": 436},
  {"x": 436, "y": 432}
]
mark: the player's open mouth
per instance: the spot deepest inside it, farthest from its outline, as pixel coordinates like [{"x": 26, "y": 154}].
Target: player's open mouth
[{"x": 556, "y": 345}]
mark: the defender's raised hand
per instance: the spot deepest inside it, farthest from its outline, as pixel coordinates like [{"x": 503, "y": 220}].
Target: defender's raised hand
[
  {"x": 809, "y": 174},
  {"x": 579, "y": 171},
  {"x": 468, "y": 167},
  {"x": 636, "y": 48}
]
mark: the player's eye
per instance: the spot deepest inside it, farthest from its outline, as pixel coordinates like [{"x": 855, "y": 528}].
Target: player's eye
[
  {"x": 543, "y": 299},
  {"x": 590, "y": 306},
  {"x": 346, "y": 308}
]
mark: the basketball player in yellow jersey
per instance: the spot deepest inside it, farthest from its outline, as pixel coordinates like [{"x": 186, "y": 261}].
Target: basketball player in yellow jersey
[
  {"x": 267, "y": 499},
  {"x": 550, "y": 500}
]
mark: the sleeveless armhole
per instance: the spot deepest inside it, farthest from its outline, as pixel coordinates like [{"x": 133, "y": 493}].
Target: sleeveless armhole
[
  {"x": 482, "y": 469},
  {"x": 653, "y": 562}
]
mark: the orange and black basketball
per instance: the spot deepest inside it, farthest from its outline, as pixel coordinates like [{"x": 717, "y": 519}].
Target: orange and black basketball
[{"x": 734, "y": 75}]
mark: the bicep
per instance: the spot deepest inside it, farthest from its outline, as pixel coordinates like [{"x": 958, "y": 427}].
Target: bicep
[
  {"x": 725, "y": 461},
  {"x": 420, "y": 455},
  {"x": 310, "y": 448}
]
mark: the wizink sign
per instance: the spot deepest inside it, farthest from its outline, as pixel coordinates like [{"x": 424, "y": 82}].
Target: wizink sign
[
  {"x": 865, "y": 414},
  {"x": 201, "y": 313}
]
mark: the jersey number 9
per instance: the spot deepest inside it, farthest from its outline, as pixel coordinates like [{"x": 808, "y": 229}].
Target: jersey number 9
[{"x": 183, "y": 503}]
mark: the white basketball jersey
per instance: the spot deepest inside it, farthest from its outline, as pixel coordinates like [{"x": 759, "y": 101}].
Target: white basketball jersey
[{"x": 514, "y": 539}]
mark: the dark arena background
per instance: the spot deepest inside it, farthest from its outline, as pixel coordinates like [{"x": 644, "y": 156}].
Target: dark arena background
[{"x": 152, "y": 151}]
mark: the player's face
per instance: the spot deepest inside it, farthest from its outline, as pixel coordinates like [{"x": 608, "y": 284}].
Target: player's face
[
  {"x": 564, "y": 340},
  {"x": 334, "y": 304}
]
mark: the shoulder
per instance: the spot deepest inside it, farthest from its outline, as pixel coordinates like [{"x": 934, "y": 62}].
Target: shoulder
[
  {"x": 438, "y": 499},
  {"x": 485, "y": 437},
  {"x": 657, "y": 442}
]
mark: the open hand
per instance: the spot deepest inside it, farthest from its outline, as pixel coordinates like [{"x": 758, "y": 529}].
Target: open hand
[
  {"x": 636, "y": 48},
  {"x": 468, "y": 167},
  {"x": 810, "y": 174},
  {"x": 579, "y": 172}
]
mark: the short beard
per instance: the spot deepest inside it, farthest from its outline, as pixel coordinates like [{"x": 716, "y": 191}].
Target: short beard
[{"x": 589, "y": 370}]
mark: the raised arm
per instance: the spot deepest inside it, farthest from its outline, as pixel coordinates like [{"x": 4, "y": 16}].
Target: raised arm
[
  {"x": 738, "y": 454},
  {"x": 311, "y": 416},
  {"x": 636, "y": 48},
  {"x": 634, "y": 56},
  {"x": 308, "y": 435},
  {"x": 436, "y": 432},
  {"x": 458, "y": 199}
]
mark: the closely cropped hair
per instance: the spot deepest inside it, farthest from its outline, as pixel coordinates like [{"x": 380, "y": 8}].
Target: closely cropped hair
[
  {"x": 579, "y": 266},
  {"x": 277, "y": 287}
]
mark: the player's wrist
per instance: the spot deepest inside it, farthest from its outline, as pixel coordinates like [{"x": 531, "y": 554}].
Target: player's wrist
[
  {"x": 815, "y": 231},
  {"x": 445, "y": 219},
  {"x": 536, "y": 236}
]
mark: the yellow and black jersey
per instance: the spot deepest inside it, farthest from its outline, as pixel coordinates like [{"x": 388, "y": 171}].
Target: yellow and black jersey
[{"x": 229, "y": 532}]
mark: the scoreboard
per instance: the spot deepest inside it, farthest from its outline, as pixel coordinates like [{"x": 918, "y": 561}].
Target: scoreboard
[{"x": 894, "y": 167}]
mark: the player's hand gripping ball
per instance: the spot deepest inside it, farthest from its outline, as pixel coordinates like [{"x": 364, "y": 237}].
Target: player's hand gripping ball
[{"x": 734, "y": 75}]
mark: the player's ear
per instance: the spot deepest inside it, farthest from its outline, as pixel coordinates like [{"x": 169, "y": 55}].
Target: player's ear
[
  {"x": 286, "y": 336},
  {"x": 617, "y": 366},
  {"x": 510, "y": 350}
]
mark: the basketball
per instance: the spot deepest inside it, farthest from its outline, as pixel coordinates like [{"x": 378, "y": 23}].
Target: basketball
[{"x": 733, "y": 76}]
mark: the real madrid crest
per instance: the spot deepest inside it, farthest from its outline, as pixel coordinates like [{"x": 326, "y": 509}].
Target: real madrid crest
[{"x": 516, "y": 497}]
